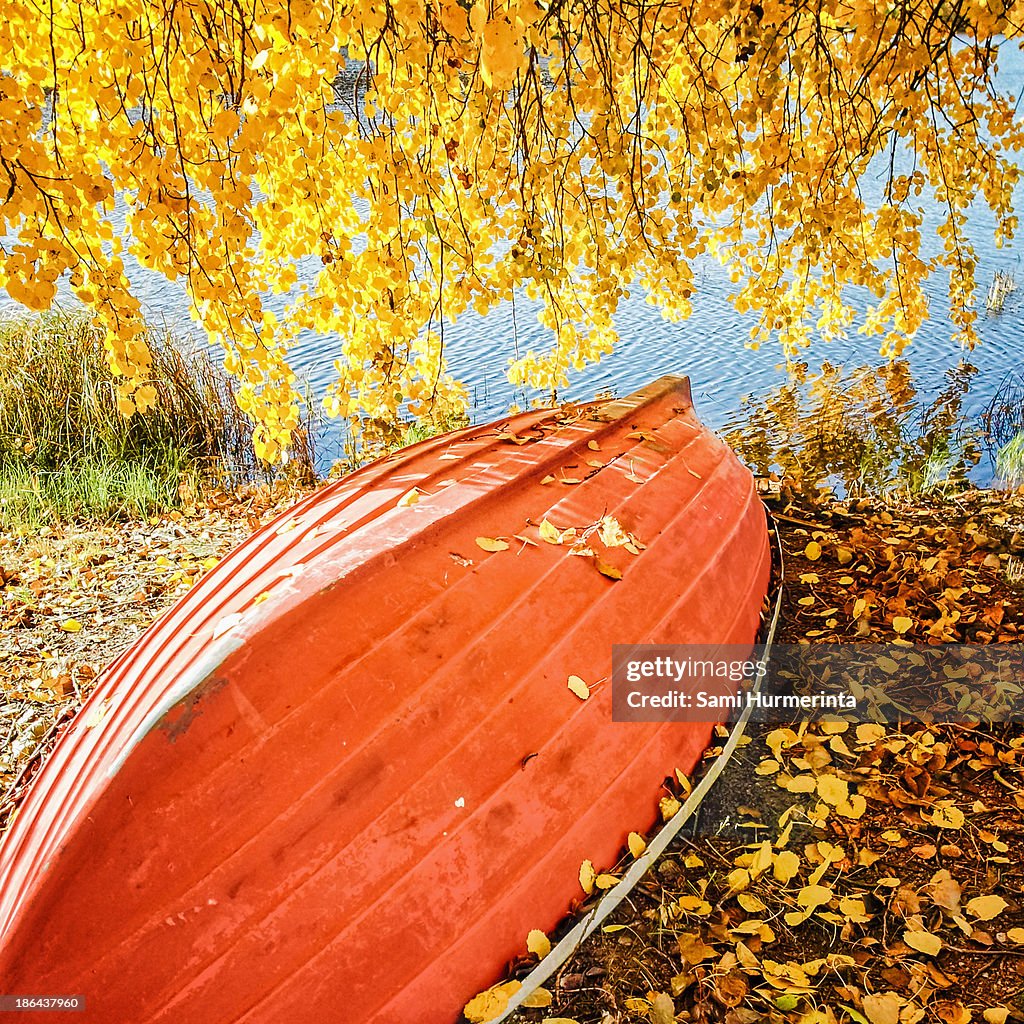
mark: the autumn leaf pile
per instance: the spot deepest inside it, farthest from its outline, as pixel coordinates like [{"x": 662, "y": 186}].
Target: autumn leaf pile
[
  {"x": 913, "y": 575},
  {"x": 841, "y": 871}
]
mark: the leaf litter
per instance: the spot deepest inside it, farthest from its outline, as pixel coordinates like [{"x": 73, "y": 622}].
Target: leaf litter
[{"x": 73, "y": 597}]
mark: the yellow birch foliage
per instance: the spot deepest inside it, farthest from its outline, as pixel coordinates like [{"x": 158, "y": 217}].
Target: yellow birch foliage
[{"x": 562, "y": 148}]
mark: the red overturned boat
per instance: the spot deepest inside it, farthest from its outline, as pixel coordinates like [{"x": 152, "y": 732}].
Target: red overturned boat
[{"x": 346, "y": 775}]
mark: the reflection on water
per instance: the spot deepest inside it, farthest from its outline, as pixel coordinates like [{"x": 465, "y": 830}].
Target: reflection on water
[{"x": 862, "y": 430}]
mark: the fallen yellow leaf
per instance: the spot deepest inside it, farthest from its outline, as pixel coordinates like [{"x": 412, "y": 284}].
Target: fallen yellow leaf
[
  {"x": 538, "y": 998},
  {"x": 883, "y": 1007},
  {"x": 71, "y": 625},
  {"x": 636, "y": 844},
  {"x": 689, "y": 904},
  {"x": 801, "y": 784},
  {"x": 490, "y": 544},
  {"x": 538, "y": 944},
  {"x": 813, "y": 551},
  {"x": 693, "y": 948},
  {"x": 923, "y": 942},
  {"x": 948, "y": 817},
  {"x": 637, "y": 1006},
  {"x": 854, "y": 807},
  {"x": 832, "y": 789},
  {"x": 669, "y": 807},
  {"x": 984, "y": 908},
  {"x": 578, "y": 687},
  {"x": 854, "y": 908},
  {"x": 870, "y": 732},
  {"x": 786, "y": 865},
  {"x": 762, "y": 859},
  {"x": 814, "y": 895},
  {"x": 738, "y": 879}
]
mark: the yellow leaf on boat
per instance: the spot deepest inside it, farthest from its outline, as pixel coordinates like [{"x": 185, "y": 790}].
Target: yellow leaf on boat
[
  {"x": 490, "y": 1003},
  {"x": 550, "y": 532},
  {"x": 578, "y": 687},
  {"x": 587, "y": 877},
  {"x": 490, "y": 544}
]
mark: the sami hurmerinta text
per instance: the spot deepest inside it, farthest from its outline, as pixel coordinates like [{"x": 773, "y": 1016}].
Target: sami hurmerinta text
[{"x": 742, "y": 699}]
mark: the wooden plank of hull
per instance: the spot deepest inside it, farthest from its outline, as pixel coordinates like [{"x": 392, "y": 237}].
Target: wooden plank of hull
[{"x": 351, "y": 800}]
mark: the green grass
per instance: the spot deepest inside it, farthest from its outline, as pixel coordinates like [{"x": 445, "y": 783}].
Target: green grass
[
  {"x": 66, "y": 451},
  {"x": 88, "y": 488},
  {"x": 1010, "y": 461}
]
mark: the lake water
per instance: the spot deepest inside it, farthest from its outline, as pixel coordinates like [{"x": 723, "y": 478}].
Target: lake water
[{"x": 709, "y": 347}]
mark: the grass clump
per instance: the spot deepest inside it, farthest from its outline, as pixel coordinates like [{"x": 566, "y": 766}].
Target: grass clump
[
  {"x": 67, "y": 452},
  {"x": 1010, "y": 461}
]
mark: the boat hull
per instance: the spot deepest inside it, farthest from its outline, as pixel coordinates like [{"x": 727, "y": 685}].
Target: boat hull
[{"x": 345, "y": 776}]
